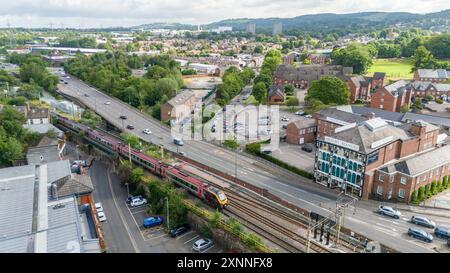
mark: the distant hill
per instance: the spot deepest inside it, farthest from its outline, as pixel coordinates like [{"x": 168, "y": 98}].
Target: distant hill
[{"x": 327, "y": 22}]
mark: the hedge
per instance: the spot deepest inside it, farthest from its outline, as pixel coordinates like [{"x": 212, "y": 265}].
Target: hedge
[{"x": 255, "y": 149}]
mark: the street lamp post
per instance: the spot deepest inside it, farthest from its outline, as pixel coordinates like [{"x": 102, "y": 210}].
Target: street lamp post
[{"x": 168, "y": 215}]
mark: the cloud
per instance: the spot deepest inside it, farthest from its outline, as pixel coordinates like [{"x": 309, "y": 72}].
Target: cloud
[{"x": 37, "y": 13}]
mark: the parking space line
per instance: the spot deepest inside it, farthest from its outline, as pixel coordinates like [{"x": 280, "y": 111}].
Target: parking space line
[
  {"x": 153, "y": 238},
  {"x": 192, "y": 239},
  {"x": 134, "y": 219},
  {"x": 139, "y": 211},
  {"x": 207, "y": 249},
  {"x": 189, "y": 232}
]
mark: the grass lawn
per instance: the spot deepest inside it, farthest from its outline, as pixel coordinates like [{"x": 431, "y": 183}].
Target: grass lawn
[
  {"x": 251, "y": 100},
  {"x": 394, "y": 68}
]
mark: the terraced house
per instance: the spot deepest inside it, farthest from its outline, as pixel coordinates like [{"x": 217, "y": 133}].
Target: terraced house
[{"x": 366, "y": 159}]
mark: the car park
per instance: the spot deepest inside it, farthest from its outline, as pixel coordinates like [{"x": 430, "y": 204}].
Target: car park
[
  {"x": 130, "y": 127},
  {"x": 388, "y": 211},
  {"x": 423, "y": 221},
  {"x": 202, "y": 244},
  {"x": 441, "y": 232},
  {"x": 420, "y": 234},
  {"x": 175, "y": 232},
  {"x": 99, "y": 207},
  {"x": 153, "y": 221},
  {"x": 101, "y": 216},
  {"x": 147, "y": 131},
  {"x": 136, "y": 202}
]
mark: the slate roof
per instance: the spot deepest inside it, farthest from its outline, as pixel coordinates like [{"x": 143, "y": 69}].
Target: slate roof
[
  {"x": 440, "y": 121},
  {"x": 303, "y": 122},
  {"x": 418, "y": 164},
  {"x": 341, "y": 115},
  {"x": 379, "y": 75},
  {"x": 360, "y": 80},
  {"x": 181, "y": 98},
  {"x": 77, "y": 184},
  {"x": 397, "y": 88},
  {"x": 276, "y": 90},
  {"x": 312, "y": 72},
  {"x": 386, "y": 115},
  {"x": 433, "y": 74}
]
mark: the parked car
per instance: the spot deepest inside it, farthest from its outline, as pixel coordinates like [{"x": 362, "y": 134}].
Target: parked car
[
  {"x": 309, "y": 148},
  {"x": 147, "y": 131},
  {"x": 285, "y": 119},
  {"x": 423, "y": 221},
  {"x": 130, "y": 198},
  {"x": 99, "y": 207},
  {"x": 108, "y": 103},
  {"x": 130, "y": 127},
  {"x": 300, "y": 113},
  {"x": 388, "y": 211},
  {"x": 101, "y": 216},
  {"x": 178, "y": 141},
  {"x": 420, "y": 234},
  {"x": 136, "y": 202},
  {"x": 441, "y": 232},
  {"x": 175, "y": 232},
  {"x": 202, "y": 244},
  {"x": 66, "y": 82},
  {"x": 284, "y": 126},
  {"x": 86, "y": 95},
  {"x": 123, "y": 117},
  {"x": 153, "y": 221}
]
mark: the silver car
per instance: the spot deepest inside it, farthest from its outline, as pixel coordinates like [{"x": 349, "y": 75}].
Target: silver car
[
  {"x": 388, "y": 211},
  {"x": 202, "y": 244},
  {"x": 423, "y": 221}
]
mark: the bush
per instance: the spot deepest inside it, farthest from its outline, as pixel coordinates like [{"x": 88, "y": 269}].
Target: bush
[
  {"x": 253, "y": 241},
  {"x": 439, "y": 101},
  {"x": 433, "y": 189},
  {"x": 421, "y": 194},
  {"x": 429, "y": 98},
  {"x": 428, "y": 191},
  {"x": 445, "y": 183},
  {"x": 414, "y": 197}
]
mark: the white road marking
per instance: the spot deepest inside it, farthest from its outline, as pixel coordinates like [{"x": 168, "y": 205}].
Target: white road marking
[
  {"x": 192, "y": 239},
  {"x": 157, "y": 237},
  {"x": 189, "y": 232},
  {"x": 207, "y": 249},
  {"x": 220, "y": 251}
]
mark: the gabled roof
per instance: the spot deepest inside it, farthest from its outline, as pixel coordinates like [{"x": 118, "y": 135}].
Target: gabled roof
[
  {"x": 379, "y": 75},
  {"x": 424, "y": 162},
  {"x": 339, "y": 115},
  {"x": 276, "y": 90},
  {"x": 433, "y": 74},
  {"x": 397, "y": 88}
]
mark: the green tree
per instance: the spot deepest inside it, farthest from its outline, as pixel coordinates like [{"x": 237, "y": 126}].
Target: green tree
[
  {"x": 428, "y": 191},
  {"x": 433, "y": 189},
  {"x": 328, "y": 90},
  {"x": 421, "y": 194},
  {"x": 289, "y": 90},
  {"x": 423, "y": 58},
  {"x": 136, "y": 175},
  {"x": 414, "y": 197},
  {"x": 10, "y": 150},
  {"x": 260, "y": 92},
  {"x": 292, "y": 102},
  {"x": 355, "y": 55},
  {"x": 258, "y": 49},
  {"x": 439, "y": 186},
  {"x": 131, "y": 139}
]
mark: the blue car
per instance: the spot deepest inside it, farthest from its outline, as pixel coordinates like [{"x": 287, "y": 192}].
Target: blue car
[
  {"x": 442, "y": 232},
  {"x": 153, "y": 221},
  {"x": 420, "y": 234}
]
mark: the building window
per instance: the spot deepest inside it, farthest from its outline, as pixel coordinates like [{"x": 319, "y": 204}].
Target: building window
[
  {"x": 401, "y": 193},
  {"x": 381, "y": 177},
  {"x": 372, "y": 158},
  {"x": 380, "y": 190},
  {"x": 403, "y": 180}
]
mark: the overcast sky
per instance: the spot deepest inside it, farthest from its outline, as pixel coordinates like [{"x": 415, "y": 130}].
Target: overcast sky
[{"x": 105, "y": 13}]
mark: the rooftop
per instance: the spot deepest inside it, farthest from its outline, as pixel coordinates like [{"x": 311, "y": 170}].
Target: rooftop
[
  {"x": 181, "y": 98},
  {"x": 418, "y": 164}
]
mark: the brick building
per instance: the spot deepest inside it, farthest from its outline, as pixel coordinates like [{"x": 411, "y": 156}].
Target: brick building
[
  {"x": 352, "y": 157},
  {"x": 392, "y": 97},
  {"x": 276, "y": 95},
  {"x": 378, "y": 80},
  {"x": 360, "y": 87},
  {"x": 301, "y": 131},
  {"x": 423, "y": 89},
  {"x": 304, "y": 75},
  {"x": 437, "y": 75},
  {"x": 328, "y": 120},
  {"x": 179, "y": 106}
]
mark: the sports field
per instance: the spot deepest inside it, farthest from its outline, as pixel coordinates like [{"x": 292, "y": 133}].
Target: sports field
[{"x": 394, "y": 68}]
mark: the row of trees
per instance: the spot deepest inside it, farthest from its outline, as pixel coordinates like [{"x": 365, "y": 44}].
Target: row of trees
[
  {"x": 263, "y": 81},
  {"x": 429, "y": 190},
  {"x": 423, "y": 58},
  {"x": 13, "y": 137},
  {"x": 111, "y": 73},
  {"x": 356, "y": 55},
  {"x": 234, "y": 81}
]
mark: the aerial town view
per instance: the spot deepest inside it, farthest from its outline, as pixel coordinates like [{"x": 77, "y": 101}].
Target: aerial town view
[{"x": 225, "y": 127}]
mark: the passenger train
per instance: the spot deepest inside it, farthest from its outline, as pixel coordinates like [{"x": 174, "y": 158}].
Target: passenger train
[{"x": 209, "y": 194}]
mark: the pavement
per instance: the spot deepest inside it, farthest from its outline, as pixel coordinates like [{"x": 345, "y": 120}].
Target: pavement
[{"x": 295, "y": 189}]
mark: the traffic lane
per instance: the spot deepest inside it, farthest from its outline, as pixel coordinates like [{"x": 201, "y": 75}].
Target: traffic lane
[{"x": 116, "y": 236}]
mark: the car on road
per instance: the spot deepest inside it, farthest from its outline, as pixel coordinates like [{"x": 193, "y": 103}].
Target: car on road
[
  {"x": 423, "y": 221},
  {"x": 86, "y": 95},
  {"x": 130, "y": 198},
  {"x": 300, "y": 113},
  {"x": 442, "y": 232},
  {"x": 136, "y": 202},
  {"x": 101, "y": 216},
  {"x": 99, "y": 207},
  {"x": 178, "y": 141},
  {"x": 388, "y": 211},
  {"x": 420, "y": 234},
  {"x": 175, "y": 232},
  {"x": 108, "y": 103},
  {"x": 202, "y": 244},
  {"x": 130, "y": 127},
  {"x": 182, "y": 153},
  {"x": 123, "y": 117},
  {"x": 147, "y": 131},
  {"x": 66, "y": 82},
  {"x": 309, "y": 148},
  {"x": 286, "y": 119},
  {"x": 153, "y": 221}
]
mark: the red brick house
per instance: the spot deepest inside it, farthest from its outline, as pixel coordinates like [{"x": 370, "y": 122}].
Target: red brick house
[
  {"x": 360, "y": 88},
  {"x": 301, "y": 131},
  {"x": 392, "y": 97},
  {"x": 378, "y": 80},
  {"x": 276, "y": 95},
  {"x": 430, "y": 75}
]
